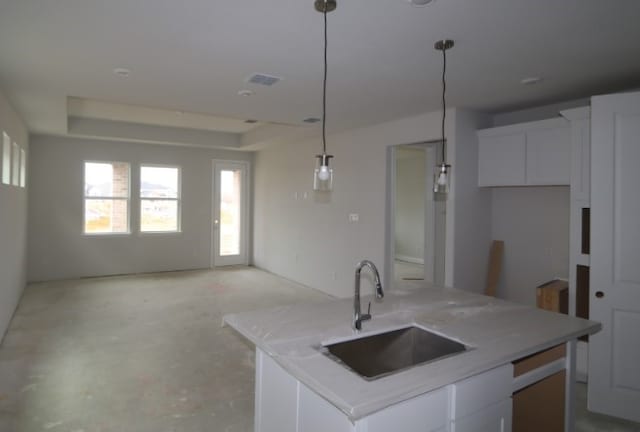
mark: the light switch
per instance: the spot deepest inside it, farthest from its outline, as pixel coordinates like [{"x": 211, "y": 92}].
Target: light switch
[{"x": 354, "y": 217}]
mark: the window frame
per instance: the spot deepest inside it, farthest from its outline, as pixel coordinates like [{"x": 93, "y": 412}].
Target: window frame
[
  {"x": 178, "y": 199},
  {"x": 111, "y": 198}
]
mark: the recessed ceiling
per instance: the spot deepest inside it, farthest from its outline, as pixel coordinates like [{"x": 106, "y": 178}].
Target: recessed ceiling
[
  {"x": 195, "y": 55},
  {"x": 100, "y": 110}
]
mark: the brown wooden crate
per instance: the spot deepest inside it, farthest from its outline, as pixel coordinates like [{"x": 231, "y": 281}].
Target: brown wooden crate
[{"x": 553, "y": 296}]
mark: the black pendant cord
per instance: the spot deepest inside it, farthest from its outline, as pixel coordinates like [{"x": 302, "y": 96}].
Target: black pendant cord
[
  {"x": 444, "y": 101},
  {"x": 324, "y": 87}
]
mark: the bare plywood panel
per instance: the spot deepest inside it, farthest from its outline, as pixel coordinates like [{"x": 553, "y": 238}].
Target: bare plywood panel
[
  {"x": 495, "y": 267},
  {"x": 540, "y": 407}
]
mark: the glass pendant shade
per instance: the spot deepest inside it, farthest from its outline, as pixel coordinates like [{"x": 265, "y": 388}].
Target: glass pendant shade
[
  {"x": 441, "y": 179},
  {"x": 323, "y": 173}
]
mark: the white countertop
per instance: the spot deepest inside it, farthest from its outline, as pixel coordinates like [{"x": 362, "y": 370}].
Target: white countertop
[{"x": 499, "y": 332}]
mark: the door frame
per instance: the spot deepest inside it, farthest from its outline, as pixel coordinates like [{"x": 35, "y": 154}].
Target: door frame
[
  {"x": 432, "y": 152},
  {"x": 245, "y": 212}
]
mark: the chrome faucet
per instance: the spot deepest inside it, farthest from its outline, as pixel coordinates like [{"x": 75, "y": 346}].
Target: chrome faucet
[{"x": 358, "y": 317}]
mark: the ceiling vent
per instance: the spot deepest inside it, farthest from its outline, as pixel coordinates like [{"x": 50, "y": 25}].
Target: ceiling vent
[
  {"x": 262, "y": 79},
  {"x": 311, "y": 120}
]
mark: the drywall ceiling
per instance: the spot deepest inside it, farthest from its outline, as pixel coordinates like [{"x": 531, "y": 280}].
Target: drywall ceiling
[{"x": 195, "y": 55}]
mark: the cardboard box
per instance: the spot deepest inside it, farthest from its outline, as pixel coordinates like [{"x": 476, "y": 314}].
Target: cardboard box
[{"x": 553, "y": 296}]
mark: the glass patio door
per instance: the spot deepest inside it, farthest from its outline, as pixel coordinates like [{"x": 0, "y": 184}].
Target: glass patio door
[{"x": 230, "y": 193}]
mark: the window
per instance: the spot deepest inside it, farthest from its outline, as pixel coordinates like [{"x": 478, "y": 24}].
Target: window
[
  {"x": 23, "y": 168},
  {"x": 6, "y": 159},
  {"x": 15, "y": 170},
  {"x": 159, "y": 199},
  {"x": 106, "y": 197}
]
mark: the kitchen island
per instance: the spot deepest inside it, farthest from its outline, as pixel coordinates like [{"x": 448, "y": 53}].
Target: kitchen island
[{"x": 301, "y": 388}]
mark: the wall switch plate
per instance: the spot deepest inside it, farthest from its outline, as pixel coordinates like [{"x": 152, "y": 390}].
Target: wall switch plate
[{"x": 354, "y": 217}]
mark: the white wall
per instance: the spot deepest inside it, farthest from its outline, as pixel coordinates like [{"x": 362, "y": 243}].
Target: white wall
[
  {"x": 471, "y": 206},
  {"x": 57, "y": 247},
  {"x": 311, "y": 241},
  {"x": 13, "y": 225},
  {"x": 410, "y": 203},
  {"x": 533, "y": 222}
]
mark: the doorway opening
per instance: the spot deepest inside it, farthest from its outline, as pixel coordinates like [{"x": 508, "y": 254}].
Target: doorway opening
[
  {"x": 415, "y": 219},
  {"x": 230, "y": 213}
]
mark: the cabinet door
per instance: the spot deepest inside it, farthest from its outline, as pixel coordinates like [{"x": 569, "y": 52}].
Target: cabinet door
[
  {"x": 495, "y": 418},
  {"x": 501, "y": 160},
  {"x": 317, "y": 415},
  {"x": 425, "y": 413},
  {"x": 549, "y": 156},
  {"x": 274, "y": 414},
  {"x": 474, "y": 394},
  {"x": 580, "y": 160}
]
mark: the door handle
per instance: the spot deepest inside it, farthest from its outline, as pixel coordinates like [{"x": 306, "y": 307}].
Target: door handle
[{"x": 599, "y": 294}]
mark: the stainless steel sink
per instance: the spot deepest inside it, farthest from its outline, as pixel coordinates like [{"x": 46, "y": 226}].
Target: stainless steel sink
[{"x": 378, "y": 355}]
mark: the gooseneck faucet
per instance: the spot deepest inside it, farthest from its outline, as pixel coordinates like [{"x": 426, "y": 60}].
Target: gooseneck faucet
[{"x": 358, "y": 316}]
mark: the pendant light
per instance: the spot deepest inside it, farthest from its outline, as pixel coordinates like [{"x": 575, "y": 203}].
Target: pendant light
[
  {"x": 441, "y": 177},
  {"x": 323, "y": 174}
]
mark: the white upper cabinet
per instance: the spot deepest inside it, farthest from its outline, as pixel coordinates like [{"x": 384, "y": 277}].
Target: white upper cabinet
[
  {"x": 526, "y": 154},
  {"x": 502, "y": 160}
]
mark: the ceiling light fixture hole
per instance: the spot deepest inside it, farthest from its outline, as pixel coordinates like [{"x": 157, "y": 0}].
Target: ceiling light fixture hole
[
  {"x": 531, "y": 80},
  {"x": 122, "y": 72},
  {"x": 329, "y": 5},
  {"x": 421, "y": 3},
  {"x": 443, "y": 45}
]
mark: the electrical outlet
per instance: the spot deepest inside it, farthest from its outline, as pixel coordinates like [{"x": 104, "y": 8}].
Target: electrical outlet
[{"x": 354, "y": 217}]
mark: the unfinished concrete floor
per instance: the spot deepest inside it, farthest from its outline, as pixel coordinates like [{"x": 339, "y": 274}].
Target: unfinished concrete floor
[
  {"x": 146, "y": 353},
  {"x": 135, "y": 353}
]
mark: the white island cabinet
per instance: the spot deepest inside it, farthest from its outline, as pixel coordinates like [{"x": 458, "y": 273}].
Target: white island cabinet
[
  {"x": 510, "y": 348},
  {"x": 480, "y": 403}
]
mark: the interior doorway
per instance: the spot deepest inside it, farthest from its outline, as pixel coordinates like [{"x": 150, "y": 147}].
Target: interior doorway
[
  {"x": 230, "y": 213},
  {"x": 415, "y": 219}
]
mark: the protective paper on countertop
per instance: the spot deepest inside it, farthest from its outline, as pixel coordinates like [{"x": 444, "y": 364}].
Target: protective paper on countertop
[{"x": 498, "y": 331}]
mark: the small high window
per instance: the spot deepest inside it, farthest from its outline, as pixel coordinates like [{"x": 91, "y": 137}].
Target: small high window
[
  {"x": 159, "y": 199},
  {"x": 6, "y": 159},
  {"x": 106, "y": 197},
  {"x": 23, "y": 168},
  {"x": 15, "y": 169}
]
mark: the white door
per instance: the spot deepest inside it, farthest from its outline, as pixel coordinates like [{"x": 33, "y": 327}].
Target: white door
[
  {"x": 230, "y": 210},
  {"x": 614, "y": 352}
]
